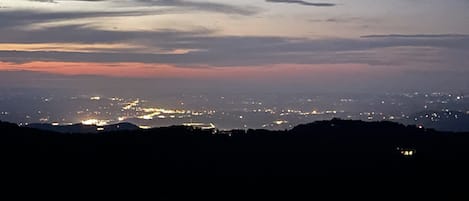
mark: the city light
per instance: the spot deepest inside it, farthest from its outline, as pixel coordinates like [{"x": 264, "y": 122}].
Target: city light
[
  {"x": 95, "y": 98},
  {"x": 280, "y": 122},
  {"x": 144, "y": 127},
  {"x": 96, "y": 122},
  {"x": 133, "y": 109}
]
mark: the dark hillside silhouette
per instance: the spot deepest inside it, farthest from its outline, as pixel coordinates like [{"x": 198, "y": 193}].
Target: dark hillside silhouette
[
  {"x": 336, "y": 147},
  {"x": 80, "y": 128}
]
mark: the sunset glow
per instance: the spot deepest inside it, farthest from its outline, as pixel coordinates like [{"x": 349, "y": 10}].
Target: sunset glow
[
  {"x": 165, "y": 70},
  {"x": 282, "y": 44}
]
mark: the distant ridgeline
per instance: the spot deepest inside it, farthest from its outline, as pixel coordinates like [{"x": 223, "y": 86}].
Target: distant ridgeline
[
  {"x": 81, "y": 128},
  {"x": 336, "y": 147}
]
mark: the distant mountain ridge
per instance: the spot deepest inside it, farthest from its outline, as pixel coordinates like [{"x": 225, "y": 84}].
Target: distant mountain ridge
[{"x": 81, "y": 128}]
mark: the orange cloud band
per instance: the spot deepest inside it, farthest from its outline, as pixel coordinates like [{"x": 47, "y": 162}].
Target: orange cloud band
[{"x": 165, "y": 70}]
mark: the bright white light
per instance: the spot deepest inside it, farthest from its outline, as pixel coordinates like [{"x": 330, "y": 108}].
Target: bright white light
[
  {"x": 96, "y": 122},
  {"x": 131, "y": 105},
  {"x": 202, "y": 126},
  {"x": 407, "y": 153},
  {"x": 144, "y": 127},
  {"x": 146, "y": 117},
  {"x": 280, "y": 122}
]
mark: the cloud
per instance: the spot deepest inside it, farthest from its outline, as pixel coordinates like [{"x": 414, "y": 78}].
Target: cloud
[
  {"x": 417, "y": 36},
  {"x": 208, "y": 50},
  {"x": 86, "y": 34},
  {"x": 45, "y": 1},
  {"x": 202, "y": 47},
  {"x": 206, "y": 6},
  {"x": 23, "y": 18},
  {"x": 304, "y": 3},
  {"x": 343, "y": 20},
  {"x": 191, "y": 5}
]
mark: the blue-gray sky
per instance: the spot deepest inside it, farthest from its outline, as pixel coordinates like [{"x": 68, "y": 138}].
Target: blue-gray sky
[{"x": 321, "y": 40}]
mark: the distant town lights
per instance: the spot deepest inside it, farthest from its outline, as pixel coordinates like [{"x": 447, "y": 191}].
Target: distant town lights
[
  {"x": 144, "y": 127},
  {"x": 147, "y": 117},
  {"x": 280, "y": 122},
  {"x": 96, "y": 122},
  {"x": 95, "y": 98}
]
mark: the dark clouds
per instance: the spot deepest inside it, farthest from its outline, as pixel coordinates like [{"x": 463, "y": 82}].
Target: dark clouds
[
  {"x": 304, "y": 3},
  {"x": 45, "y": 1},
  {"x": 427, "y": 56},
  {"x": 205, "y": 6},
  {"x": 418, "y": 36},
  {"x": 192, "y": 5},
  {"x": 208, "y": 49},
  {"x": 24, "y": 18},
  {"x": 226, "y": 50},
  {"x": 87, "y": 35}
]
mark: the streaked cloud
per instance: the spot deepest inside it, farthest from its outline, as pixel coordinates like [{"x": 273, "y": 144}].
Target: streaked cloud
[
  {"x": 193, "y": 33},
  {"x": 200, "y": 49},
  {"x": 304, "y": 3},
  {"x": 191, "y": 5},
  {"x": 418, "y": 36}
]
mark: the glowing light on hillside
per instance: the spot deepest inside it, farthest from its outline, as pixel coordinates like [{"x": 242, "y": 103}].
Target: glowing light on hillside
[
  {"x": 280, "y": 122},
  {"x": 146, "y": 117},
  {"x": 131, "y": 105},
  {"x": 96, "y": 122},
  {"x": 407, "y": 152},
  {"x": 144, "y": 127},
  {"x": 202, "y": 126}
]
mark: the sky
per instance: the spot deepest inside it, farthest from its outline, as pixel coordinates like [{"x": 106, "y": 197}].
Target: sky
[{"x": 335, "y": 44}]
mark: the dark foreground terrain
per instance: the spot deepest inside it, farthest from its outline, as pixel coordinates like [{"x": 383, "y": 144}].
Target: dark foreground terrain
[{"x": 336, "y": 147}]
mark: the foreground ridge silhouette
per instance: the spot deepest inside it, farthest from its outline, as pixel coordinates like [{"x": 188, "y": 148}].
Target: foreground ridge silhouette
[{"x": 335, "y": 147}]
